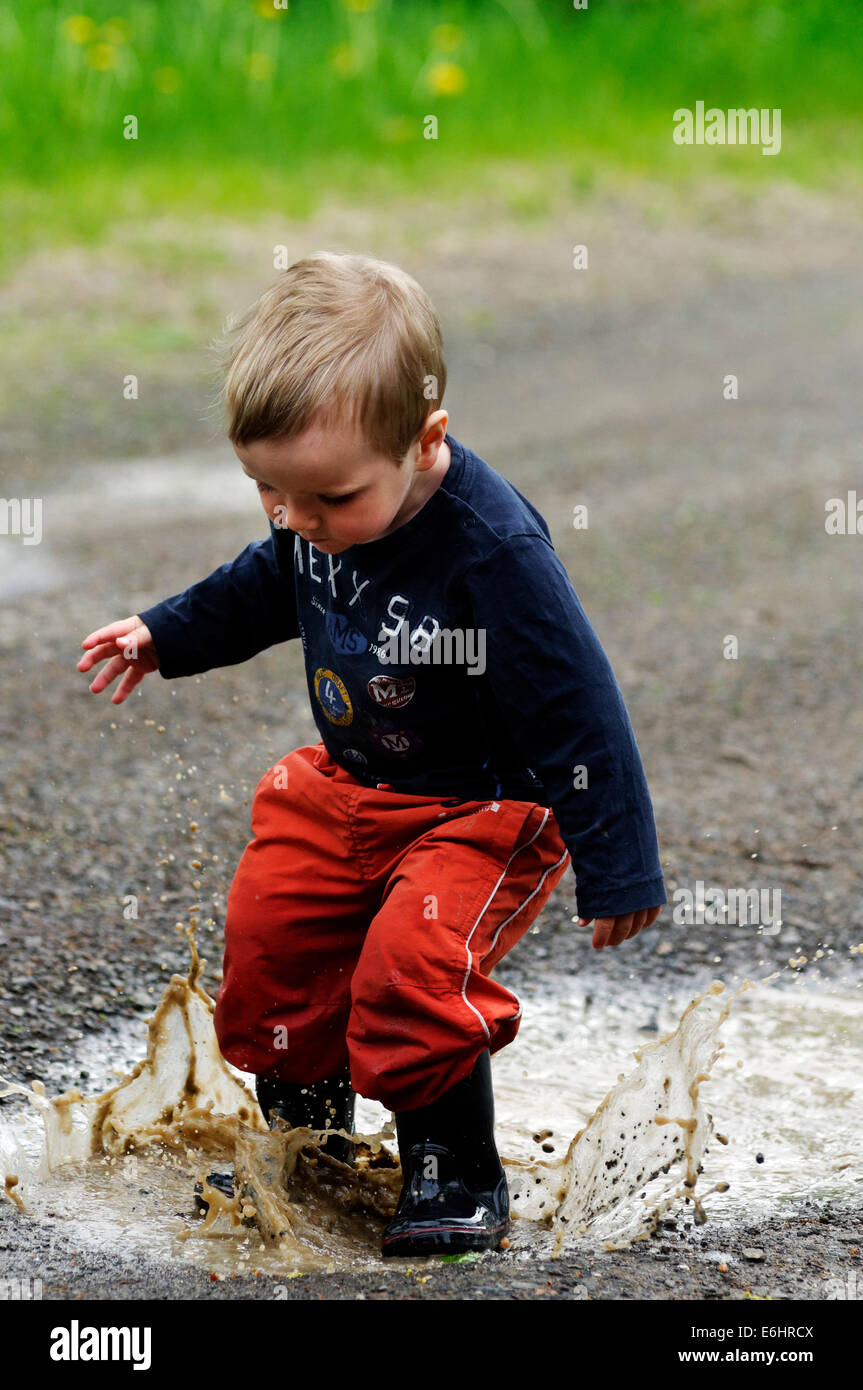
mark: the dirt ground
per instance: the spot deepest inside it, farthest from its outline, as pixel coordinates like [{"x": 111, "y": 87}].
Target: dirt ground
[{"x": 602, "y": 387}]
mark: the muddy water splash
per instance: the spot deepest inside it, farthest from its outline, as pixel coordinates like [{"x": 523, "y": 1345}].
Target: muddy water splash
[
  {"x": 622, "y": 1172},
  {"x": 638, "y": 1156},
  {"x": 183, "y": 1074}
]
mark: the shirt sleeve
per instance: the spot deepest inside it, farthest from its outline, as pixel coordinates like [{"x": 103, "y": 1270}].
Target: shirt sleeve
[
  {"x": 558, "y": 697},
  {"x": 243, "y": 607}
]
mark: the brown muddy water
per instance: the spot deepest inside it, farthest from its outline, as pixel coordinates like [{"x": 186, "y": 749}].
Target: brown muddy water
[{"x": 744, "y": 1101}]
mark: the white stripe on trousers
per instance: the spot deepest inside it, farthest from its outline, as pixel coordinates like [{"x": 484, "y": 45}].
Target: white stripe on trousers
[{"x": 519, "y": 909}]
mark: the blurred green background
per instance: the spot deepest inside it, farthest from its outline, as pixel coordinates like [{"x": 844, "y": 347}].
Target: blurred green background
[
  {"x": 240, "y": 104},
  {"x": 116, "y": 251}
]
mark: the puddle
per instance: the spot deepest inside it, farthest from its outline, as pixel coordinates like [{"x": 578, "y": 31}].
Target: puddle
[
  {"x": 788, "y": 1088},
  {"x": 115, "y": 1169},
  {"x": 785, "y": 1085},
  {"x": 198, "y": 484}
]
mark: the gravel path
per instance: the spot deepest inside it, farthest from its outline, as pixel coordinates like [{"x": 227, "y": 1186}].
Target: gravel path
[{"x": 707, "y": 519}]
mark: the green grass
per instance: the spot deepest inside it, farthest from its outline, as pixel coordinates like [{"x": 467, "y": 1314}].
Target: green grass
[{"x": 242, "y": 108}]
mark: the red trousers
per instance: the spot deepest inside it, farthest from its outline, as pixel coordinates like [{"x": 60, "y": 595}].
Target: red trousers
[{"x": 362, "y": 926}]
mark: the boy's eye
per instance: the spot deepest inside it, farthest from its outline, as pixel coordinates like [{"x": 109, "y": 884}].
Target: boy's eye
[{"x": 331, "y": 501}]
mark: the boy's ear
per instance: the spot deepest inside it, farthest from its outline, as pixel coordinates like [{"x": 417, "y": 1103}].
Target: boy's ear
[
  {"x": 436, "y": 424},
  {"x": 436, "y": 417}
]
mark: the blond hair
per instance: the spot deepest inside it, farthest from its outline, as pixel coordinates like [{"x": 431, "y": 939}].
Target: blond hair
[{"x": 337, "y": 338}]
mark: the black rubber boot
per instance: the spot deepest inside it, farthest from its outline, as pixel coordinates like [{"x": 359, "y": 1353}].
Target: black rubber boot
[
  {"x": 454, "y": 1195},
  {"x": 327, "y": 1104}
]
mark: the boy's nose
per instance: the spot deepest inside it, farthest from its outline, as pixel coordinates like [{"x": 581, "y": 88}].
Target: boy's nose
[{"x": 304, "y": 522}]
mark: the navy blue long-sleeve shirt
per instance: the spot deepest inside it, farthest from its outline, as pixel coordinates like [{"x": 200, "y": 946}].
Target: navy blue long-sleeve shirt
[{"x": 451, "y": 657}]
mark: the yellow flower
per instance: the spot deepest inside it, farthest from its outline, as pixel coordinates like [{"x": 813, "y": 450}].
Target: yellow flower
[
  {"x": 116, "y": 31},
  {"x": 446, "y": 37},
  {"x": 447, "y": 79},
  {"x": 80, "y": 28},
  {"x": 102, "y": 57},
  {"x": 345, "y": 59},
  {"x": 166, "y": 80},
  {"x": 259, "y": 66},
  {"x": 359, "y": 6}
]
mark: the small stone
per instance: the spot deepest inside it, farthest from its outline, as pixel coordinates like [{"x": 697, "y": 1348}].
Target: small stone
[
  {"x": 759, "y": 1158},
  {"x": 749, "y": 1252}
]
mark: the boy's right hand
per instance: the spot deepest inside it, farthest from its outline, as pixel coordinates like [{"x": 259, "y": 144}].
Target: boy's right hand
[{"x": 131, "y": 649}]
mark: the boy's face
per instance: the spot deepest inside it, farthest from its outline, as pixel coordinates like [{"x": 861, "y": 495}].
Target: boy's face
[{"x": 330, "y": 485}]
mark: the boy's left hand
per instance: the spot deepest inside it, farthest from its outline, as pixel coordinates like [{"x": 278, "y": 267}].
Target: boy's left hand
[{"x": 611, "y": 931}]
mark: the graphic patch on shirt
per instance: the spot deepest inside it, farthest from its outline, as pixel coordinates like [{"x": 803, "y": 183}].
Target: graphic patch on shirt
[
  {"x": 392, "y": 691},
  {"x": 400, "y": 741},
  {"x": 347, "y": 640},
  {"x": 333, "y": 696}
]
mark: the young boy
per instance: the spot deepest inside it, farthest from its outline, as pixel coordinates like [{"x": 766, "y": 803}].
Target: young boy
[{"x": 473, "y": 738}]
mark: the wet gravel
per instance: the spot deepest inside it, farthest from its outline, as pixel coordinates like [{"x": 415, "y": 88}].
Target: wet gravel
[
  {"x": 813, "y": 1253},
  {"x": 117, "y": 824}
]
